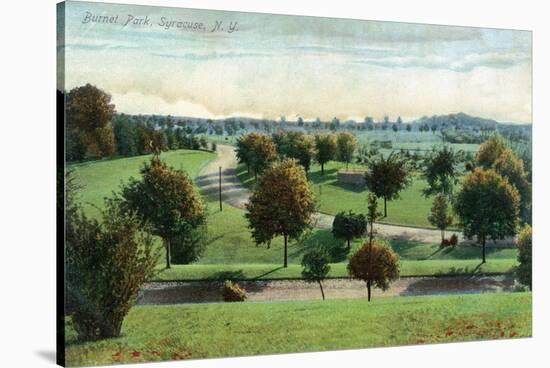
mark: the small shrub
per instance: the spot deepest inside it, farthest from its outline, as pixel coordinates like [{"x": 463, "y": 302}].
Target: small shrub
[
  {"x": 232, "y": 292},
  {"x": 445, "y": 243}
]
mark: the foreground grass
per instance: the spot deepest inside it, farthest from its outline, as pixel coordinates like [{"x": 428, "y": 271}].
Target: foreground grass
[
  {"x": 154, "y": 333},
  {"x": 251, "y": 271}
]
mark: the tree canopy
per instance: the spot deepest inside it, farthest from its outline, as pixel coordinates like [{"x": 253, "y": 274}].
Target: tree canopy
[
  {"x": 387, "y": 177},
  {"x": 487, "y": 206},
  {"x": 349, "y": 226},
  {"x": 281, "y": 204},
  {"x": 376, "y": 264},
  {"x": 325, "y": 149},
  {"x": 166, "y": 199}
]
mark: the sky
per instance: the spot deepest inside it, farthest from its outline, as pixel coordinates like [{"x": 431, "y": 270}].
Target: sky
[{"x": 276, "y": 65}]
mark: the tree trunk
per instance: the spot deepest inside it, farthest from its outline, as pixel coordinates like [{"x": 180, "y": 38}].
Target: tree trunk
[
  {"x": 385, "y": 207},
  {"x": 442, "y": 235},
  {"x": 322, "y": 169},
  {"x": 368, "y": 291},
  {"x": 483, "y": 249},
  {"x": 167, "y": 246},
  {"x": 348, "y": 244},
  {"x": 322, "y": 291},
  {"x": 285, "y": 264}
]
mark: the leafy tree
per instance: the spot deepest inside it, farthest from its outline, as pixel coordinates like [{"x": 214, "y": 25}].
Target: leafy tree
[
  {"x": 346, "y": 143},
  {"x": 281, "y": 204},
  {"x": 89, "y": 113},
  {"x": 525, "y": 256},
  {"x": 440, "y": 170},
  {"x": 511, "y": 167},
  {"x": 349, "y": 226},
  {"x": 489, "y": 151},
  {"x": 386, "y": 177},
  {"x": 105, "y": 265},
  {"x": 325, "y": 149},
  {"x": 295, "y": 145},
  {"x": 409, "y": 127},
  {"x": 167, "y": 200},
  {"x": 395, "y": 128},
  {"x": 257, "y": 151},
  {"x": 487, "y": 206},
  {"x": 376, "y": 264},
  {"x": 439, "y": 214},
  {"x": 300, "y": 122},
  {"x": 316, "y": 267}
]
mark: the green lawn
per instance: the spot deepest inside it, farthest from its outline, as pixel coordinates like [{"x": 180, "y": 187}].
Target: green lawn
[
  {"x": 101, "y": 178},
  {"x": 412, "y": 209},
  {"x": 267, "y": 271},
  {"x": 154, "y": 333},
  {"x": 231, "y": 252}
]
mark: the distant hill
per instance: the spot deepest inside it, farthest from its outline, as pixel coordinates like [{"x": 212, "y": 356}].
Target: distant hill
[{"x": 467, "y": 122}]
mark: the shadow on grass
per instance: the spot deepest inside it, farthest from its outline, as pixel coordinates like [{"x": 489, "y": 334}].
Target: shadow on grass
[
  {"x": 467, "y": 284},
  {"x": 463, "y": 271},
  {"x": 336, "y": 249}
]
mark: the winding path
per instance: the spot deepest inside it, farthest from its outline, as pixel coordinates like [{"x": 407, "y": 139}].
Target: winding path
[{"x": 236, "y": 194}]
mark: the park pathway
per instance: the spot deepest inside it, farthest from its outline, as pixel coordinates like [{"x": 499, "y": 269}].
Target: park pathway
[
  {"x": 236, "y": 194},
  {"x": 280, "y": 290}
]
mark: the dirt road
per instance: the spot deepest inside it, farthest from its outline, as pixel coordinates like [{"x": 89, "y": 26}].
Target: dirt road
[{"x": 279, "y": 290}]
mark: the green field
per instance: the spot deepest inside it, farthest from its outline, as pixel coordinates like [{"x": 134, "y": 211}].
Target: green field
[
  {"x": 100, "y": 178},
  {"x": 154, "y": 333},
  {"x": 412, "y": 209},
  {"x": 266, "y": 271}
]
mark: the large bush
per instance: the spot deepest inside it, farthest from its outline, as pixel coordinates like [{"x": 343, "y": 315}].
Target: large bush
[
  {"x": 525, "y": 256},
  {"x": 106, "y": 264}
]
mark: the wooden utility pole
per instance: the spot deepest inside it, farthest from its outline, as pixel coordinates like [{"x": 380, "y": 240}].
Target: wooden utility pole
[{"x": 220, "y": 186}]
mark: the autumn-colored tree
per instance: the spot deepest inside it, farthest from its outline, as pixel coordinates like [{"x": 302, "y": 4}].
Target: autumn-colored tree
[
  {"x": 167, "y": 200},
  {"x": 525, "y": 257},
  {"x": 257, "y": 151},
  {"x": 346, "y": 143},
  {"x": 490, "y": 151},
  {"x": 89, "y": 113},
  {"x": 106, "y": 263},
  {"x": 386, "y": 177},
  {"x": 510, "y": 166},
  {"x": 487, "y": 206},
  {"x": 325, "y": 149},
  {"x": 349, "y": 226},
  {"x": 440, "y": 216},
  {"x": 316, "y": 267},
  {"x": 376, "y": 264},
  {"x": 440, "y": 170},
  {"x": 281, "y": 204}
]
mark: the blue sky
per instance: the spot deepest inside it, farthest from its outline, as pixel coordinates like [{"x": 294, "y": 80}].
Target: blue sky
[{"x": 312, "y": 67}]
